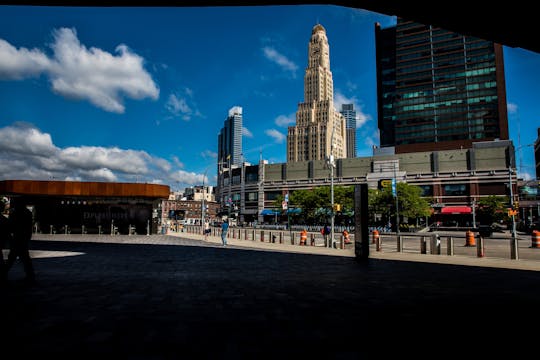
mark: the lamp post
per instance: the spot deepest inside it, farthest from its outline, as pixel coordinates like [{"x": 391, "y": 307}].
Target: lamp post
[
  {"x": 331, "y": 165},
  {"x": 513, "y": 242},
  {"x": 394, "y": 190},
  {"x": 473, "y": 203},
  {"x": 202, "y": 201}
]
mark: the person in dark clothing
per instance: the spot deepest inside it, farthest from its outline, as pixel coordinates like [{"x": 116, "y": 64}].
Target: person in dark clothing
[
  {"x": 21, "y": 222},
  {"x": 5, "y": 240}
]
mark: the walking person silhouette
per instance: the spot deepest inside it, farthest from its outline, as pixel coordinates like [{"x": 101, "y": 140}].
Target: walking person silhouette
[
  {"x": 5, "y": 240},
  {"x": 21, "y": 222},
  {"x": 224, "y": 229}
]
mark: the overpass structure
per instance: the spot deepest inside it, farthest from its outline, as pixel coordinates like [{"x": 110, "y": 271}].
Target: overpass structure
[{"x": 512, "y": 24}]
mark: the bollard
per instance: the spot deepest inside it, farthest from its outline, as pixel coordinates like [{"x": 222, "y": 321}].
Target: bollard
[
  {"x": 469, "y": 238},
  {"x": 65, "y": 229},
  {"x": 312, "y": 240},
  {"x": 435, "y": 245},
  {"x": 399, "y": 243},
  {"x": 378, "y": 244},
  {"x": 450, "y": 246},
  {"x": 535, "y": 239},
  {"x": 262, "y": 235},
  {"x": 281, "y": 237},
  {"x": 51, "y": 227},
  {"x": 423, "y": 245},
  {"x": 480, "y": 246}
]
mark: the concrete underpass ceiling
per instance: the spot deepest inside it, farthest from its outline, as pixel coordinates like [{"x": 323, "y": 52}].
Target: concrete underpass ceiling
[{"x": 512, "y": 24}]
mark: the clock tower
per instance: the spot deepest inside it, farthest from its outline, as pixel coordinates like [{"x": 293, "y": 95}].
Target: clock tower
[{"x": 320, "y": 128}]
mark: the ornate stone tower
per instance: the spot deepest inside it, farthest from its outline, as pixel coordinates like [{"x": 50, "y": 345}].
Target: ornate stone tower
[{"x": 320, "y": 128}]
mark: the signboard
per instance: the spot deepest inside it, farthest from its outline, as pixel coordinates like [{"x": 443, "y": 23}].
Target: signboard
[{"x": 385, "y": 183}]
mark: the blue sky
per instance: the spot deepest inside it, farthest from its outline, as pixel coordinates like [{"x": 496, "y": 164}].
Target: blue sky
[{"x": 140, "y": 94}]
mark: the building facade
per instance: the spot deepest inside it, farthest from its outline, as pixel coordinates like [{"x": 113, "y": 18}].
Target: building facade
[
  {"x": 230, "y": 138},
  {"x": 454, "y": 179},
  {"x": 320, "y": 129},
  {"x": 90, "y": 207},
  {"x": 438, "y": 90},
  {"x": 348, "y": 112}
]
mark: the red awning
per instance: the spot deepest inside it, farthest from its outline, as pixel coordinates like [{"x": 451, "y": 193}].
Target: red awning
[{"x": 456, "y": 210}]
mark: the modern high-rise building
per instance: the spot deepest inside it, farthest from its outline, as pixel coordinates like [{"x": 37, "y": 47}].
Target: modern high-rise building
[
  {"x": 438, "y": 90},
  {"x": 320, "y": 128},
  {"x": 348, "y": 112},
  {"x": 230, "y": 138}
]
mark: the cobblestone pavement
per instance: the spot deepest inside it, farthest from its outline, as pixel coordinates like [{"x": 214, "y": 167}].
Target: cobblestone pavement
[{"x": 165, "y": 297}]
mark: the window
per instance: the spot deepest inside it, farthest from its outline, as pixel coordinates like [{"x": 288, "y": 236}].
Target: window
[{"x": 455, "y": 189}]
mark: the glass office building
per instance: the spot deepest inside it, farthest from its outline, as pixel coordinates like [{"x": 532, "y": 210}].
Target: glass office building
[{"x": 438, "y": 90}]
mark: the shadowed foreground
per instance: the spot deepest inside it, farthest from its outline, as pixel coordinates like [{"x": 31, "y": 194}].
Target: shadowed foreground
[{"x": 140, "y": 301}]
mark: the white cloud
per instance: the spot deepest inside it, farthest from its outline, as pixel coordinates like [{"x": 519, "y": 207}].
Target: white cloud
[
  {"x": 246, "y": 132},
  {"x": 82, "y": 73},
  {"x": 182, "y": 107},
  {"x": 285, "y": 121},
  {"x": 209, "y": 154},
  {"x": 26, "y": 153},
  {"x": 276, "y": 135},
  {"x": 19, "y": 64},
  {"x": 274, "y": 56},
  {"x": 361, "y": 117},
  {"x": 24, "y": 139},
  {"x": 512, "y": 108}
]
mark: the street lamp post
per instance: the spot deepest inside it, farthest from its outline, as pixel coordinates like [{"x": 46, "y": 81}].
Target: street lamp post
[
  {"x": 513, "y": 242},
  {"x": 202, "y": 202},
  {"x": 332, "y": 165},
  {"x": 397, "y": 202}
]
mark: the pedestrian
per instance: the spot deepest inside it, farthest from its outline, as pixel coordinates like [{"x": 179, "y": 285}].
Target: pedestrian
[
  {"x": 5, "y": 239},
  {"x": 326, "y": 233},
  {"x": 206, "y": 229},
  {"x": 303, "y": 237},
  {"x": 346, "y": 236},
  {"x": 224, "y": 230},
  {"x": 20, "y": 220}
]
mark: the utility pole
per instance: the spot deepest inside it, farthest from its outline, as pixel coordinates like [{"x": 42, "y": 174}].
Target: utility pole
[
  {"x": 473, "y": 203},
  {"x": 202, "y": 201},
  {"x": 513, "y": 242},
  {"x": 331, "y": 164},
  {"x": 394, "y": 190}
]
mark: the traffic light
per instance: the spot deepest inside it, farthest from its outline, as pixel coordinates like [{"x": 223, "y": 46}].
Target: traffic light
[
  {"x": 516, "y": 205},
  {"x": 337, "y": 207}
]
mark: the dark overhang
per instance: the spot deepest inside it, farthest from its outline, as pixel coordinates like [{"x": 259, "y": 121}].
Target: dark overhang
[
  {"x": 83, "y": 189},
  {"x": 512, "y": 24}
]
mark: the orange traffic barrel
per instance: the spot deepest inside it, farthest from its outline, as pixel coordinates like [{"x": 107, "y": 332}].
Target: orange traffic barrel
[
  {"x": 469, "y": 238},
  {"x": 375, "y": 236},
  {"x": 535, "y": 239}
]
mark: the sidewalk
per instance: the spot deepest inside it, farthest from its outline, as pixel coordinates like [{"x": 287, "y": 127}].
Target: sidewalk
[
  {"x": 493, "y": 262},
  {"x": 180, "y": 297}
]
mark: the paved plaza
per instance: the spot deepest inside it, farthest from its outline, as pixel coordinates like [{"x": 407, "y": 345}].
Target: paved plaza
[{"x": 180, "y": 297}]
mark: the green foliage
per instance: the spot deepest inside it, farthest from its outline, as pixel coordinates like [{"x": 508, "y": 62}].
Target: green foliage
[
  {"x": 316, "y": 205},
  {"x": 492, "y": 209},
  {"x": 382, "y": 203}
]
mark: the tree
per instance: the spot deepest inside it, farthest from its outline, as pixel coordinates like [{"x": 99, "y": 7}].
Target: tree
[
  {"x": 315, "y": 203},
  {"x": 492, "y": 209},
  {"x": 382, "y": 204}
]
